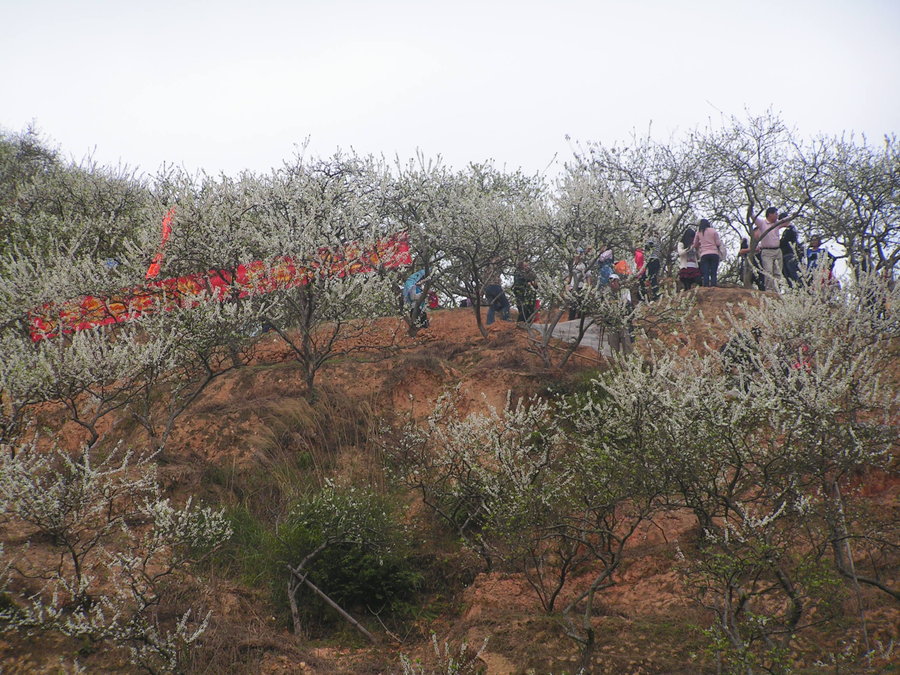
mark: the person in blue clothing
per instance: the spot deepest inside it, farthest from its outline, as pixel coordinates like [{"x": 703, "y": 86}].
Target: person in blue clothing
[
  {"x": 413, "y": 292},
  {"x": 815, "y": 251},
  {"x": 493, "y": 291},
  {"x": 604, "y": 267},
  {"x": 818, "y": 256}
]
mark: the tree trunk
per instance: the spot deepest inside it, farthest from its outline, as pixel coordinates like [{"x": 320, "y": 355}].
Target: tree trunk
[{"x": 336, "y": 607}]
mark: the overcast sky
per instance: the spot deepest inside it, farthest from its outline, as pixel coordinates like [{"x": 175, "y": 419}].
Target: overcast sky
[{"x": 226, "y": 86}]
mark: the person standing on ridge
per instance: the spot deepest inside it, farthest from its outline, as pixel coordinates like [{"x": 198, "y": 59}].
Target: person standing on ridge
[
  {"x": 525, "y": 291},
  {"x": 688, "y": 266},
  {"x": 413, "y": 292},
  {"x": 768, "y": 240},
  {"x": 709, "y": 246},
  {"x": 493, "y": 291},
  {"x": 651, "y": 258},
  {"x": 790, "y": 256},
  {"x": 755, "y": 265}
]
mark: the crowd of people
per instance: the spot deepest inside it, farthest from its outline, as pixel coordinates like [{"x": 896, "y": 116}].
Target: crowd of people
[
  {"x": 781, "y": 257},
  {"x": 776, "y": 257}
]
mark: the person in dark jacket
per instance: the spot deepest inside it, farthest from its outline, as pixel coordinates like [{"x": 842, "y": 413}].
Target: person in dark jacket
[
  {"x": 650, "y": 283},
  {"x": 790, "y": 255},
  {"x": 755, "y": 263},
  {"x": 493, "y": 291},
  {"x": 525, "y": 291}
]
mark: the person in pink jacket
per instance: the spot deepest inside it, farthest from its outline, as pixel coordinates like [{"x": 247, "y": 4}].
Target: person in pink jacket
[{"x": 709, "y": 246}]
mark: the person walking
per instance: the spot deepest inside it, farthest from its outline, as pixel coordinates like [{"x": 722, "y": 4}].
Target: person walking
[
  {"x": 525, "y": 291},
  {"x": 412, "y": 297},
  {"x": 709, "y": 246}
]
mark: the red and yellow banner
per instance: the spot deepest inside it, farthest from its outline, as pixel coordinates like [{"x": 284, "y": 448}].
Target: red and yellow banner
[
  {"x": 153, "y": 270},
  {"x": 255, "y": 278}
]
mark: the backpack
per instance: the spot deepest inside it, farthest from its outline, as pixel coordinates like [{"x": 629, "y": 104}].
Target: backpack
[{"x": 691, "y": 255}]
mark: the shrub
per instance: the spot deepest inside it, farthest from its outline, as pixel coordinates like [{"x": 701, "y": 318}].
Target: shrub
[
  {"x": 118, "y": 545},
  {"x": 446, "y": 661},
  {"x": 349, "y": 543},
  {"x": 346, "y": 542}
]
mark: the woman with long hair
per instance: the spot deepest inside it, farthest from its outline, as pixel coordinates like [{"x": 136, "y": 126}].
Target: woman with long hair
[
  {"x": 709, "y": 246},
  {"x": 688, "y": 268}
]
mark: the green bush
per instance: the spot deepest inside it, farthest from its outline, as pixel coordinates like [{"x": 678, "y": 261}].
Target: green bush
[
  {"x": 355, "y": 550},
  {"x": 359, "y": 552}
]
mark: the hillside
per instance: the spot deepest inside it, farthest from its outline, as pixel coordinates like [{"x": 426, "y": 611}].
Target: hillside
[{"x": 240, "y": 441}]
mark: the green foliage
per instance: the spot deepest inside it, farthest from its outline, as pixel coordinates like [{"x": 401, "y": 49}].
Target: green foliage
[
  {"x": 244, "y": 555},
  {"x": 449, "y": 660},
  {"x": 362, "y": 563},
  {"x": 357, "y": 577},
  {"x": 348, "y": 540}
]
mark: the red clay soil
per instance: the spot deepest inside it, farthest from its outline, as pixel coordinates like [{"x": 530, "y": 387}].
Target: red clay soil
[{"x": 641, "y": 621}]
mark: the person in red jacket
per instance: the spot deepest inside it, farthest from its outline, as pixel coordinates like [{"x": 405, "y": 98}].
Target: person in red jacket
[{"x": 640, "y": 272}]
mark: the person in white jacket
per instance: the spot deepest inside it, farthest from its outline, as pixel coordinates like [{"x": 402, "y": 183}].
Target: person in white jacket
[
  {"x": 688, "y": 265},
  {"x": 619, "y": 335}
]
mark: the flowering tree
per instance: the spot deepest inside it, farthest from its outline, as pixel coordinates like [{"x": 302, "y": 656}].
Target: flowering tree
[
  {"x": 465, "y": 468},
  {"x": 151, "y": 367},
  {"x": 318, "y": 213},
  {"x": 761, "y": 442},
  {"x": 115, "y": 542},
  {"x": 51, "y": 205},
  {"x": 523, "y": 492},
  {"x": 65, "y": 215},
  {"x": 591, "y": 214},
  {"x": 731, "y": 172},
  {"x": 855, "y": 201},
  {"x": 196, "y": 345},
  {"x": 671, "y": 179},
  {"x": 460, "y": 221}
]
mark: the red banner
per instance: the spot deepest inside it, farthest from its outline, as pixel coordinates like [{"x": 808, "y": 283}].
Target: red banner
[
  {"x": 153, "y": 270},
  {"x": 255, "y": 278}
]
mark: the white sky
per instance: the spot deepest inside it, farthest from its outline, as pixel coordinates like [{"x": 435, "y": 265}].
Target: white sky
[{"x": 225, "y": 86}]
